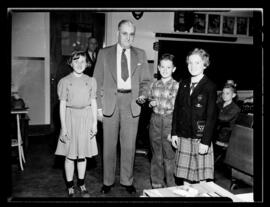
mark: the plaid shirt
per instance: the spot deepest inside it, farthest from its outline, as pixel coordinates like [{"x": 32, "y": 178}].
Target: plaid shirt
[{"x": 164, "y": 94}]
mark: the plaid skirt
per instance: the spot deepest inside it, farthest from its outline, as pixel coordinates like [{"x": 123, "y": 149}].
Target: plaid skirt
[{"x": 190, "y": 164}]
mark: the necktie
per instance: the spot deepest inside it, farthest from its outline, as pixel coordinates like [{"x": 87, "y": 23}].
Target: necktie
[
  {"x": 124, "y": 66},
  {"x": 192, "y": 87},
  {"x": 93, "y": 57}
]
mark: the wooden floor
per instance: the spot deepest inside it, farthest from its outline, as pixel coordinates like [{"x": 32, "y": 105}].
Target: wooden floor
[{"x": 43, "y": 176}]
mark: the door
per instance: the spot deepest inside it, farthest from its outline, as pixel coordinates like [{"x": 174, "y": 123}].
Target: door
[{"x": 69, "y": 30}]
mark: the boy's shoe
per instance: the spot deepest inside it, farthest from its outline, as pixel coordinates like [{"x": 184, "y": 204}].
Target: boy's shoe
[
  {"x": 106, "y": 189},
  {"x": 71, "y": 192},
  {"x": 130, "y": 188},
  {"x": 84, "y": 193}
]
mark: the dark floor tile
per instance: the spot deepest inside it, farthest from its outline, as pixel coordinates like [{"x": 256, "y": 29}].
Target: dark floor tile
[{"x": 44, "y": 175}]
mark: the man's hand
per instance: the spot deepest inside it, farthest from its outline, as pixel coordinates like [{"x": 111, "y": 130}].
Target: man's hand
[
  {"x": 169, "y": 138},
  {"x": 175, "y": 141}
]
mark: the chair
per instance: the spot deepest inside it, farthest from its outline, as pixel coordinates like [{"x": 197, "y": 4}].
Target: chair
[{"x": 18, "y": 142}]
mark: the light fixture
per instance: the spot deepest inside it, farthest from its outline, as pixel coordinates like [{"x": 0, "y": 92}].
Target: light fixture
[{"x": 137, "y": 15}]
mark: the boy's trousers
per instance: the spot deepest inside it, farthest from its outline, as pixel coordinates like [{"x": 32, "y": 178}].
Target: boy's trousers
[{"x": 163, "y": 154}]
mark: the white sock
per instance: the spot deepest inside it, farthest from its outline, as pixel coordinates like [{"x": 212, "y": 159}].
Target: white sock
[
  {"x": 186, "y": 183},
  {"x": 203, "y": 181}
]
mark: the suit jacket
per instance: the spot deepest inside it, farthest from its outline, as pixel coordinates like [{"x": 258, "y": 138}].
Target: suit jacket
[
  {"x": 189, "y": 110},
  {"x": 90, "y": 70},
  {"x": 227, "y": 117},
  {"x": 106, "y": 77}
]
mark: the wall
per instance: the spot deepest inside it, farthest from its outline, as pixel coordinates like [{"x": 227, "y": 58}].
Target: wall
[
  {"x": 31, "y": 41},
  {"x": 154, "y": 22},
  {"x": 31, "y": 62},
  {"x": 162, "y": 22},
  {"x": 28, "y": 76},
  {"x": 146, "y": 27}
]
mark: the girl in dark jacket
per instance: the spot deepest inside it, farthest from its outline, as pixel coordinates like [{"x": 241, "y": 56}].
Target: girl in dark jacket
[{"x": 194, "y": 119}]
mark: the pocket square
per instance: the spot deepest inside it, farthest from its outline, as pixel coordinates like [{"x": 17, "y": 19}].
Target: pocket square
[{"x": 138, "y": 64}]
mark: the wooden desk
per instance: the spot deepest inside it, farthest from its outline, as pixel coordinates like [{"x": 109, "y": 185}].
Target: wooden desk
[
  {"x": 19, "y": 142},
  {"x": 207, "y": 189},
  {"x": 239, "y": 155}
]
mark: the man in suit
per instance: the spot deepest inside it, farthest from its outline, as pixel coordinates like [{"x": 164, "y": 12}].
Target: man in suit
[
  {"x": 117, "y": 105},
  {"x": 91, "y": 53}
]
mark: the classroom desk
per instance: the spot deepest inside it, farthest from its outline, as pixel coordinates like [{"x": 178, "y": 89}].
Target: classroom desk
[
  {"x": 206, "y": 189},
  {"x": 19, "y": 140}
]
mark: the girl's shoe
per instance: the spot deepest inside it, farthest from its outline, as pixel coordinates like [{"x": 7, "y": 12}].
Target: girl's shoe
[
  {"x": 71, "y": 192},
  {"x": 84, "y": 193}
]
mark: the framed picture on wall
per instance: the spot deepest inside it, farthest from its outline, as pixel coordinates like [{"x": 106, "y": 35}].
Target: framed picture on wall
[
  {"x": 183, "y": 21},
  {"x": 228, "y": 25},
  {"x": 241, "y": 25},
  {"x": 213, "y": 24},
  {"x": 179, "y": 21},
  {"x": 199, "y": 25},
  {"x": 250, "y": 27}
]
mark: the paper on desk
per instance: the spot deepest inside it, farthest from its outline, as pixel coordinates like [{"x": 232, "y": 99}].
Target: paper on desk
[
  {"x": 246, "y": 197},
  {"x": 221, "y": 192},
  {"x": 186, "y": 191},
  {"x": 153, "y": 193}
]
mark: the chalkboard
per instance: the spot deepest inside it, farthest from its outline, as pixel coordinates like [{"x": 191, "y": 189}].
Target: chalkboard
[{"x": 239, "y": 62}]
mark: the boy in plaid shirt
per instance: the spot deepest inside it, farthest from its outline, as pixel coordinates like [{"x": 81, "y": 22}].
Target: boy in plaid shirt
[{"x": 162, "y": 95}]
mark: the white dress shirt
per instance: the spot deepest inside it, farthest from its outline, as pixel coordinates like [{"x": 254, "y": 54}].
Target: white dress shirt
[
  {"x": 91, "y": 53},
  {"x": 195, "y": 80},
  {"x": 121, "y": 84}
]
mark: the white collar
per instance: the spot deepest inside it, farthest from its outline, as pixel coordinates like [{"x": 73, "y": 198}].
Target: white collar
[{"x": 119, "y": 48}]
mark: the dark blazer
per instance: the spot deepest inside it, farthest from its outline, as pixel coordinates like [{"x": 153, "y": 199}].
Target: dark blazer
[
  {"x": 227, "y": 117},
  {"x": 199, "y": 107},
  {"x": 90, "y": 70}
]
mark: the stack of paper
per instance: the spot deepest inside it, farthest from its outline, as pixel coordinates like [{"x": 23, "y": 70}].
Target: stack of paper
[
  {"x": 246, "y": 197},
  {"x": 186, "y": 191}
]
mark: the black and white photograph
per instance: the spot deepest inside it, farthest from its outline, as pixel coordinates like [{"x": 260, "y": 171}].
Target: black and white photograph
[
  {"x": 213, "y": 24},
  {"x": 250, "y": 26},
  {"x": 199, "y": 25},
  {"x": 228, "y": 25},
  {"x": 242, "y": 25},
  {"x": 135, "y": 105},
  {"x": 180, "y": 21}
]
